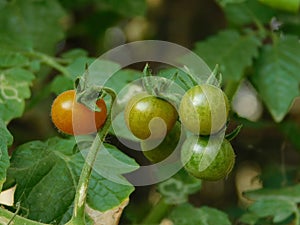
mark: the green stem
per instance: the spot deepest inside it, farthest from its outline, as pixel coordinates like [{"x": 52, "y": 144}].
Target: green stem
[
  {"x": 50, "y": 61},
  {"x": 157, "y": 213},
  {"x": 7, "y": 217},
  {"x": 82, "y": 187},
  {"x": 231, "y": 88}
]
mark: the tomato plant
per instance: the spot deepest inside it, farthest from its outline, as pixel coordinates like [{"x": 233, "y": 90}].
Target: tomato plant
[
  {"x": 72, "y": 117},
  {"x": 204, "y": 109},
  {"x": 94, "y": 175},
  {"x": 149, "y": 116}
]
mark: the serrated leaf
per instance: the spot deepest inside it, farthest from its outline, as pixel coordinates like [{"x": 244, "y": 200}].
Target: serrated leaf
[
  {"x": 232, "y": 51},
  {"x": 177, "y": 188},
  {"x": 186, "y": 214},
  {"x": 6, "y": 140},
  {"x": 277, "y": 75},
  {"x": 10, "y": 59},
  {"x": 14, "y": 89},
  {"x": 46, "y": 174},
  {"x": 247, "y": 12},
  {"x": 31, "y": 24},
  {"x": 279, "y": 209},
  {"x": 290, "y": 193}
]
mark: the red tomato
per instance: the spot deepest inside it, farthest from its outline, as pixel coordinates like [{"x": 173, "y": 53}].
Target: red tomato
[{"x": 74, "y": 118}]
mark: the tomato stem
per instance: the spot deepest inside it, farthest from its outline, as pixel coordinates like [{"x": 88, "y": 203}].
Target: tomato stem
[
  {"x": 50, "y": 61},
  {"x": 157, "y": 213},
  {"x": 82, "y": 187}
]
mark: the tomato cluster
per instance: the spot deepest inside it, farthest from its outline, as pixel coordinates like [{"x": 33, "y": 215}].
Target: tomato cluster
[{"x": 203, "y": 111}]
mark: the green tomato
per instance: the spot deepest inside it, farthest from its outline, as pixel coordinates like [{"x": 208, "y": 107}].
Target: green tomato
[
  {"x": 207, "y": 158},
  {"x": 157, "y": 152},
  {"x": 204, "y": 109},
  {"x": 148, "y": 116}
]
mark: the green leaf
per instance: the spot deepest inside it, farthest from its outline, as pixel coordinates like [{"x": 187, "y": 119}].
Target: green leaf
[
  {"x": 6, "y": 139},
  {"x": 232, "y": 51},
  {"x": 277, "y": 75},
  {"x": 279, "y": 209},
  {"x": 11, "y": 59},
  {"x": 78, "y": 66},
  {"x": 248, "y": 12},
  {"x": 186, "y": 214},
  {"x": 177, "y": 188},
  {"x": 30, "y": 24},
  {"x": 290, "y": 193},
  {"x": 14, "y": 89},
  {"x": 46, "y": 174},
  {"x": 75, "y": 53},
  {"x": 61, "y": 83},
  {"x": 249, "y": 218}
]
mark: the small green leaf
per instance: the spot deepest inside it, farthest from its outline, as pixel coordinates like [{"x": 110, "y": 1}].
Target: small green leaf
[
  {"x": 78, "y": 66},
  {"x": 232, "y": 51},
  {"x": 249, "y": 218},
  {"x": 186, "y": 214},
  {"x": 177, "y": 188},
  {"x": 290, "y": 193},
  {"x": 61, "y": 83},
  {"x": 75, "y": 53},
  {"x": 279, "y": 209},
  {"x": 277, "y": 75},
  {"x": 46, "y": 174},
  {"x": 6, "y": 139},
  {"x": 14, "y": 89}
]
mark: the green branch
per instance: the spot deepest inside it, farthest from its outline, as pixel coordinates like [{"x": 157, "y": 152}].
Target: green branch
[{"x": 50, "y": 61}]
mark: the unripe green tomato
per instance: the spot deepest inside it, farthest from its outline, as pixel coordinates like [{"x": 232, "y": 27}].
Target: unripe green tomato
[
  {"x": 157, "y": 152},
  {"x": 148, "y": 116},
  {"x": 207, "y": 158},
  {"x": 204, "y": 109},
  {"x": 287, "y": 5}
]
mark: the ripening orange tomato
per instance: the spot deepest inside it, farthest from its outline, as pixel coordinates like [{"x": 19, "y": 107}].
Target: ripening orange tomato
[{"x": 74, "y": 118}]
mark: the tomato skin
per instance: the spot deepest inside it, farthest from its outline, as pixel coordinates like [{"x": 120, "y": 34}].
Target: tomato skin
[
  {"x": 157, "y": 153},
  {"x": 204, "y": 109},
  {"x": 220, "y": 157},
  {"x": 74, "y": 118},
  {"x": 143, "y": 108}
]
